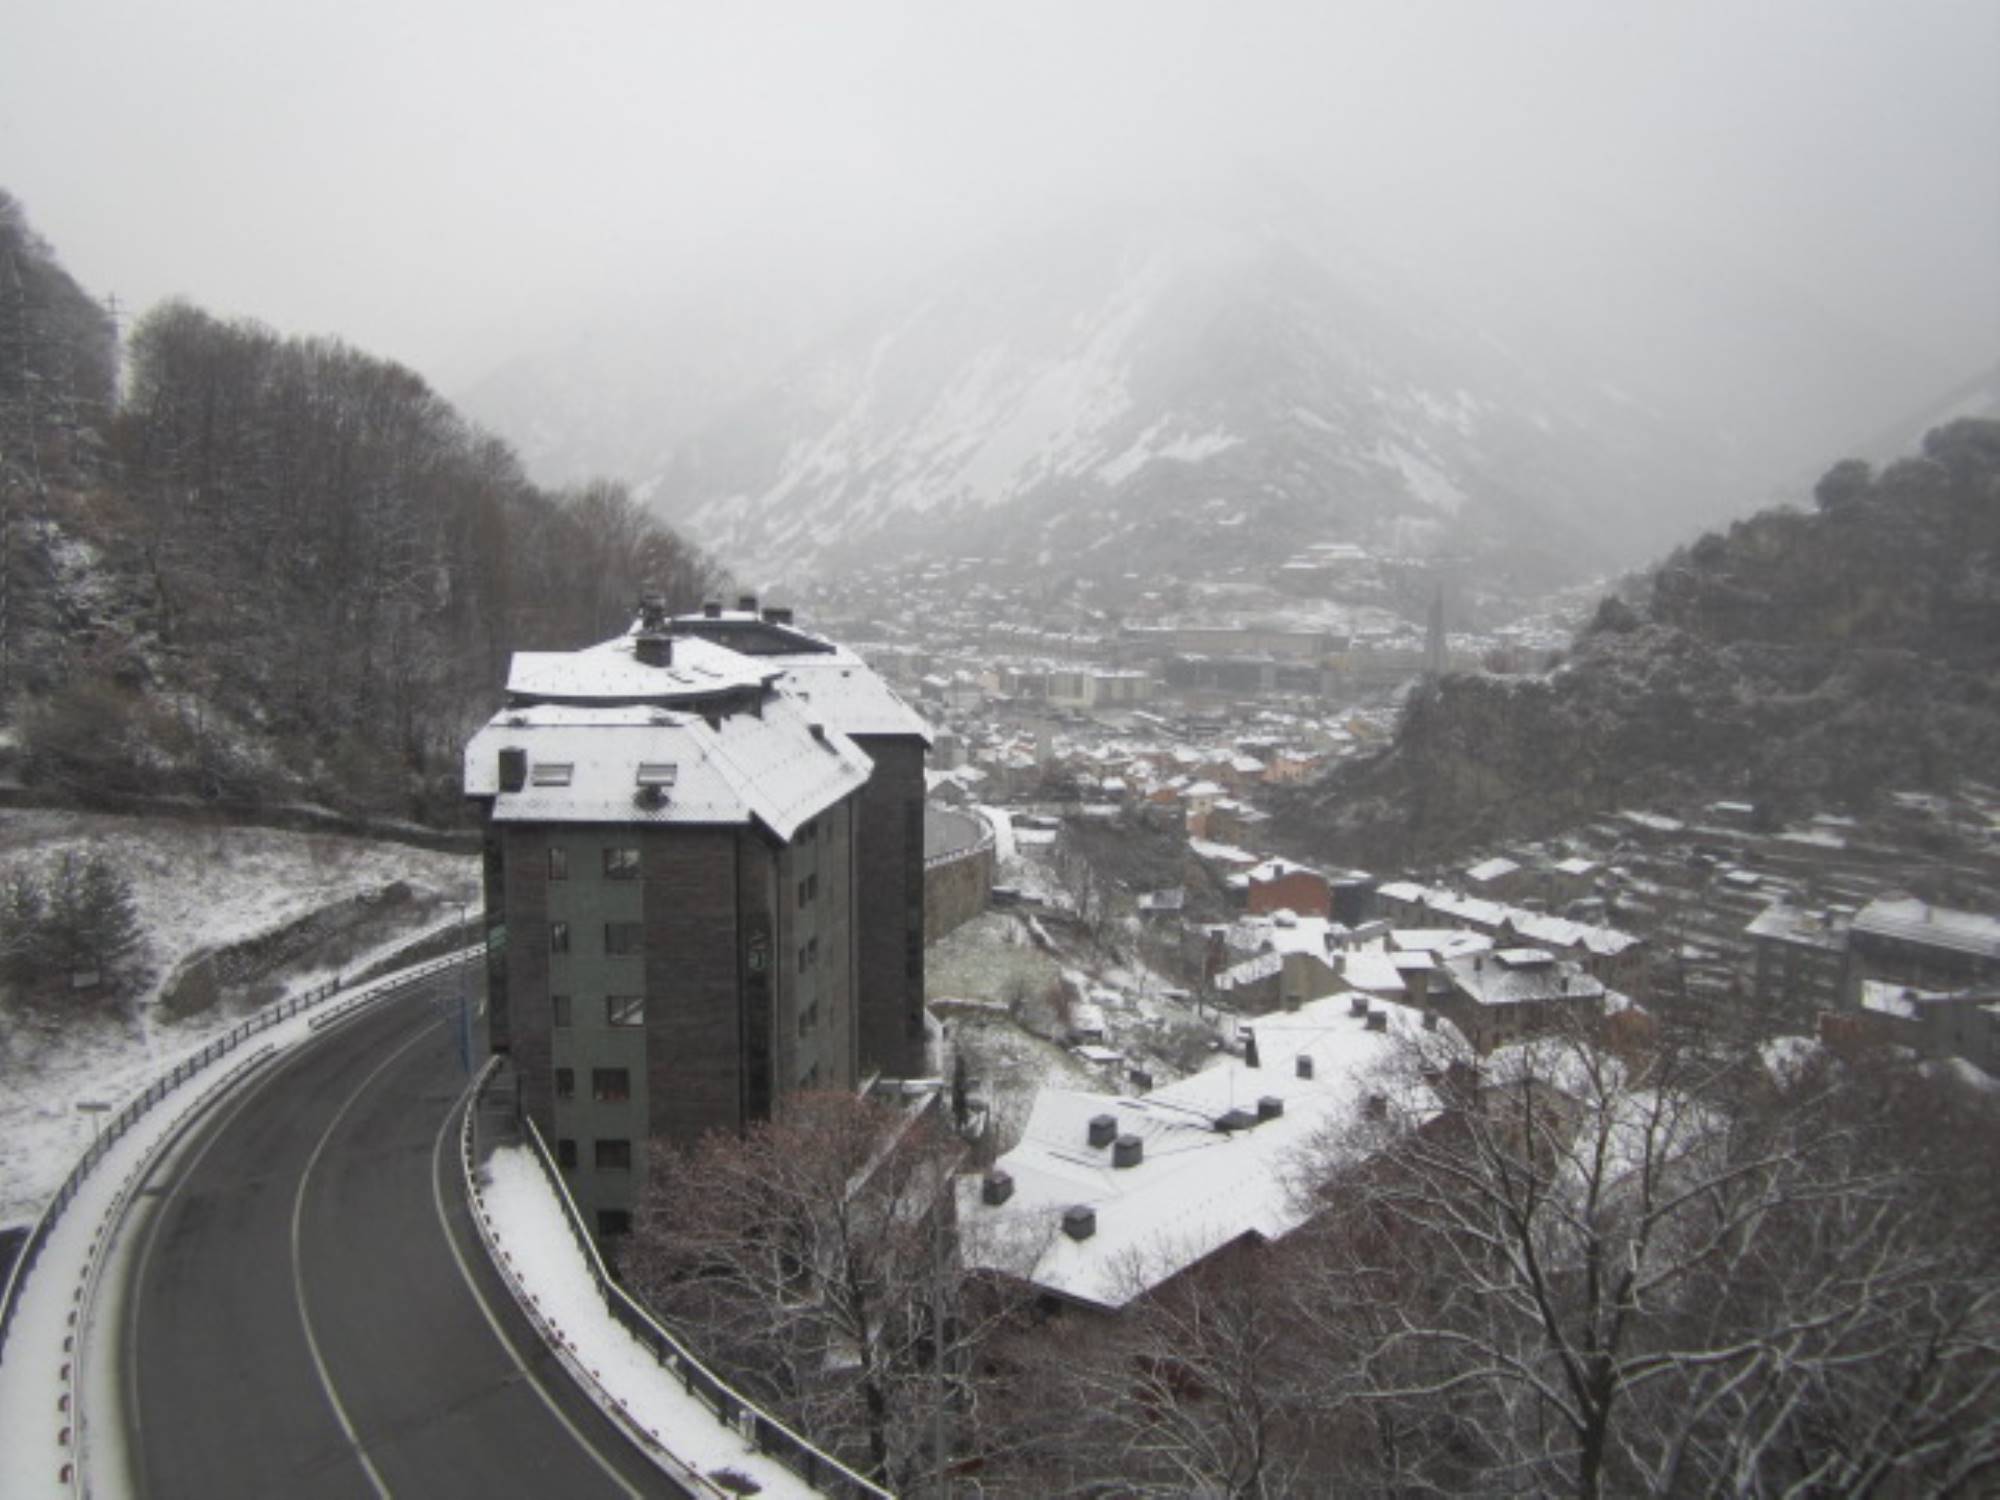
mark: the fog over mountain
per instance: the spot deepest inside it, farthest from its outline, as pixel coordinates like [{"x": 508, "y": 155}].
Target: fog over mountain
[
  {"x": 1221, "y": 379},
  {"x": 1603, "y": 272}
]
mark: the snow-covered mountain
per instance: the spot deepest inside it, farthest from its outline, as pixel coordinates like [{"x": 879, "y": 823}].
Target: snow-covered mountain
[
  {"x": 1177, "y": 397},
  {"x": 1214, "y": 383}
]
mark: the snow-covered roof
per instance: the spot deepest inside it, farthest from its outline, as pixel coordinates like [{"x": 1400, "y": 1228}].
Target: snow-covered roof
[
  {"x": 610, "y": 672},
  {"x": 1492, "y": 869},
  {"x": 1791, "y": 924},
  {"x": 596, "y": 765},
  {"x": 1198, "y": 1186},
  {"x": 1912, "y": 921},
  {"x": 1520, "y": 975},
  {"x": 1250, "y": 971}
]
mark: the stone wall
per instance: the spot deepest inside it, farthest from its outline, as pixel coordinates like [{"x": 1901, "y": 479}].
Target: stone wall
[{"x": 956, "y": 886}]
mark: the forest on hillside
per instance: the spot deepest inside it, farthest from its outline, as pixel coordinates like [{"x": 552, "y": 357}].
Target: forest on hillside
[
  {"x": 1803, "y": 660},
  {"x": 261, "y": 568}
]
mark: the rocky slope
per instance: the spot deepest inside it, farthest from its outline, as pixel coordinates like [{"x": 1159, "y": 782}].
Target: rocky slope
[{"x": 1801, "y": 661}]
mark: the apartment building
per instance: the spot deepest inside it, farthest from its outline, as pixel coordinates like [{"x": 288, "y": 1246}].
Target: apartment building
[{"x": 678, "y": 841}]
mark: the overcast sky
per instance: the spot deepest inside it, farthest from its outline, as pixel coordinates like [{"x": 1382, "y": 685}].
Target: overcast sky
[{"x": 443, "y": 181}]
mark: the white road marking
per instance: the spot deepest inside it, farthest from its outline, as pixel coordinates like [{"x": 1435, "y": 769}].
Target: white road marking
[
  {"x": 298, "y": 1279},
  {"x": 492, "y": 1322}
]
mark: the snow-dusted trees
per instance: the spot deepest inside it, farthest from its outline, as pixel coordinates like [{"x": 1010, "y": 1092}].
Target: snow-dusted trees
[
  {"x": 1662, "y": 1274},
  {"x": 1566, "y": 1272},
  {"x": 70, "y": 925},
  {"x": 811, "y": 1260},
  {"x": 342, "y": 562}
]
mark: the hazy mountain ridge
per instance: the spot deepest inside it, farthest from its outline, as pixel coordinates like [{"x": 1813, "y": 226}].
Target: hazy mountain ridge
[
  {"x": 1183, "y": 398},
  {"x": 1802, "y": 661}
]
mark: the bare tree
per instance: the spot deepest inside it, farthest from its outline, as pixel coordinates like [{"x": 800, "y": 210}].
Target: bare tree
[
  {"x": 812, "y": 1259},
  {"x": 1661, "y": 1274}
]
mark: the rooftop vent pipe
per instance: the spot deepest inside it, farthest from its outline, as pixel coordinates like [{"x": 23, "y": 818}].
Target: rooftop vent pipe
[
  {"x": 1305, "y": 1068},
  {"x": 1103, "y": 1130},
  {"x": 1080, "y": 1223},
  {"x": 1127, "y": 1151}
]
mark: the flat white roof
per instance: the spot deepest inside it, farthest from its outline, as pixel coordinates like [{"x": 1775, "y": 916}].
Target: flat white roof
[{"x": 1197, "y": 1188}]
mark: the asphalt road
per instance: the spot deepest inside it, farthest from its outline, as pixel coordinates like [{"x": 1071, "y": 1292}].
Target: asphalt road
[{"x": 309, "y": 1314}]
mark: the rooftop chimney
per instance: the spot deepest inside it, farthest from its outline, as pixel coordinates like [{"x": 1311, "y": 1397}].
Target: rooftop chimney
[
  {"x": 1305, "y": 1065},
  {"x": 711, "y": 610},
  {"x": 1103, "y": 1130},
  {"x": 1236, "y": 1119},
  {"x": 1080, "y": 1223},
  {"x": 1270, "y": 1107},
  {"x": 997, "y": 1188},
  {"x": 773, "y": 615},
  {"x": 1127, "y": 1151},
  {"x": 513, "y": 769},
  {"x": 747, "y": 603},
  {"x": 1357, "y": 1004},
  {"x": 654, "y": 648},
  {"x": 1378, "y": 1020}
]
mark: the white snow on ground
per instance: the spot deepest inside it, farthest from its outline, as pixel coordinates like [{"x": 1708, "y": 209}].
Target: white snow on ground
[
  {"x": 196, "y": 887},
  {"x": 33, "y": 1362},
  {"x": 529, "y": 1223}
]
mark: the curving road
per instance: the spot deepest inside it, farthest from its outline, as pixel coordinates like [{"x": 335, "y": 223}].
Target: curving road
[{"x": 309, "y": 1314}]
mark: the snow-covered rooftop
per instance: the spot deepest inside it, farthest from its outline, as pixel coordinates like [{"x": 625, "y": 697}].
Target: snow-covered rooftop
[
  {"x": 605, "y": 765},
  {"x": 1912, "y": 921},
  {"x": 1198, "y": 1185},
  {"x": 610, "y": 672}
]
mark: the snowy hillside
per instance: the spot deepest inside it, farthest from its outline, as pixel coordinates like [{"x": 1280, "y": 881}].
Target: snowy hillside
[
  {"x": 197, "y": 888},
  {"x": 1180, "y": 396}
]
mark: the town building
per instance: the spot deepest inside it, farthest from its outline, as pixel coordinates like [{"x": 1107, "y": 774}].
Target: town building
[
  {"x": 1801, "y": 959},
  {"x": 1512, "y": 993},
  {"x": 1107, "y": 1197},
  {"x": 680, "y": 839},
  {"x": 1913, "y": 943}
]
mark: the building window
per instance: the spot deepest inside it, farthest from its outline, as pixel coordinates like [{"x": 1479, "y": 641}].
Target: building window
[
  {"x": 808, "y": 890},
  {"x": 625, "y": 1010},
  {"x": 809, "y": 1019},
  {"x": 621, "y": 864},
  {"x": 612, "y": 1156},
  {"x": 610, "y": 1085},
  {"x": 565, "y": 1153},
  {"x": 559, "y": 1010},
  {"x": 622, "y": 939},
  {"x": 558, "y": 937},
  {"x": 558, "y": 864},
  {"x": 565, "y": 1083},
  {"x": 612, "y": 1222}
]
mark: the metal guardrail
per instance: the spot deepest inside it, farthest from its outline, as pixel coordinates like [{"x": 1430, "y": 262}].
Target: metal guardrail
[
  {"x": 76, "y": 1344},
  {"x": 119, "y": 1124},
  {"x": 817, "y": 1468}
]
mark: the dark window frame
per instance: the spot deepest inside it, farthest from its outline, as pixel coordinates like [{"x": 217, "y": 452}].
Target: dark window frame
[
  {"x": 625, "y": 1011},
  {"x": 610, "y": 1085},
  {"x": 624, "y": 939},
  {"x": 622, "y": 862}
]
